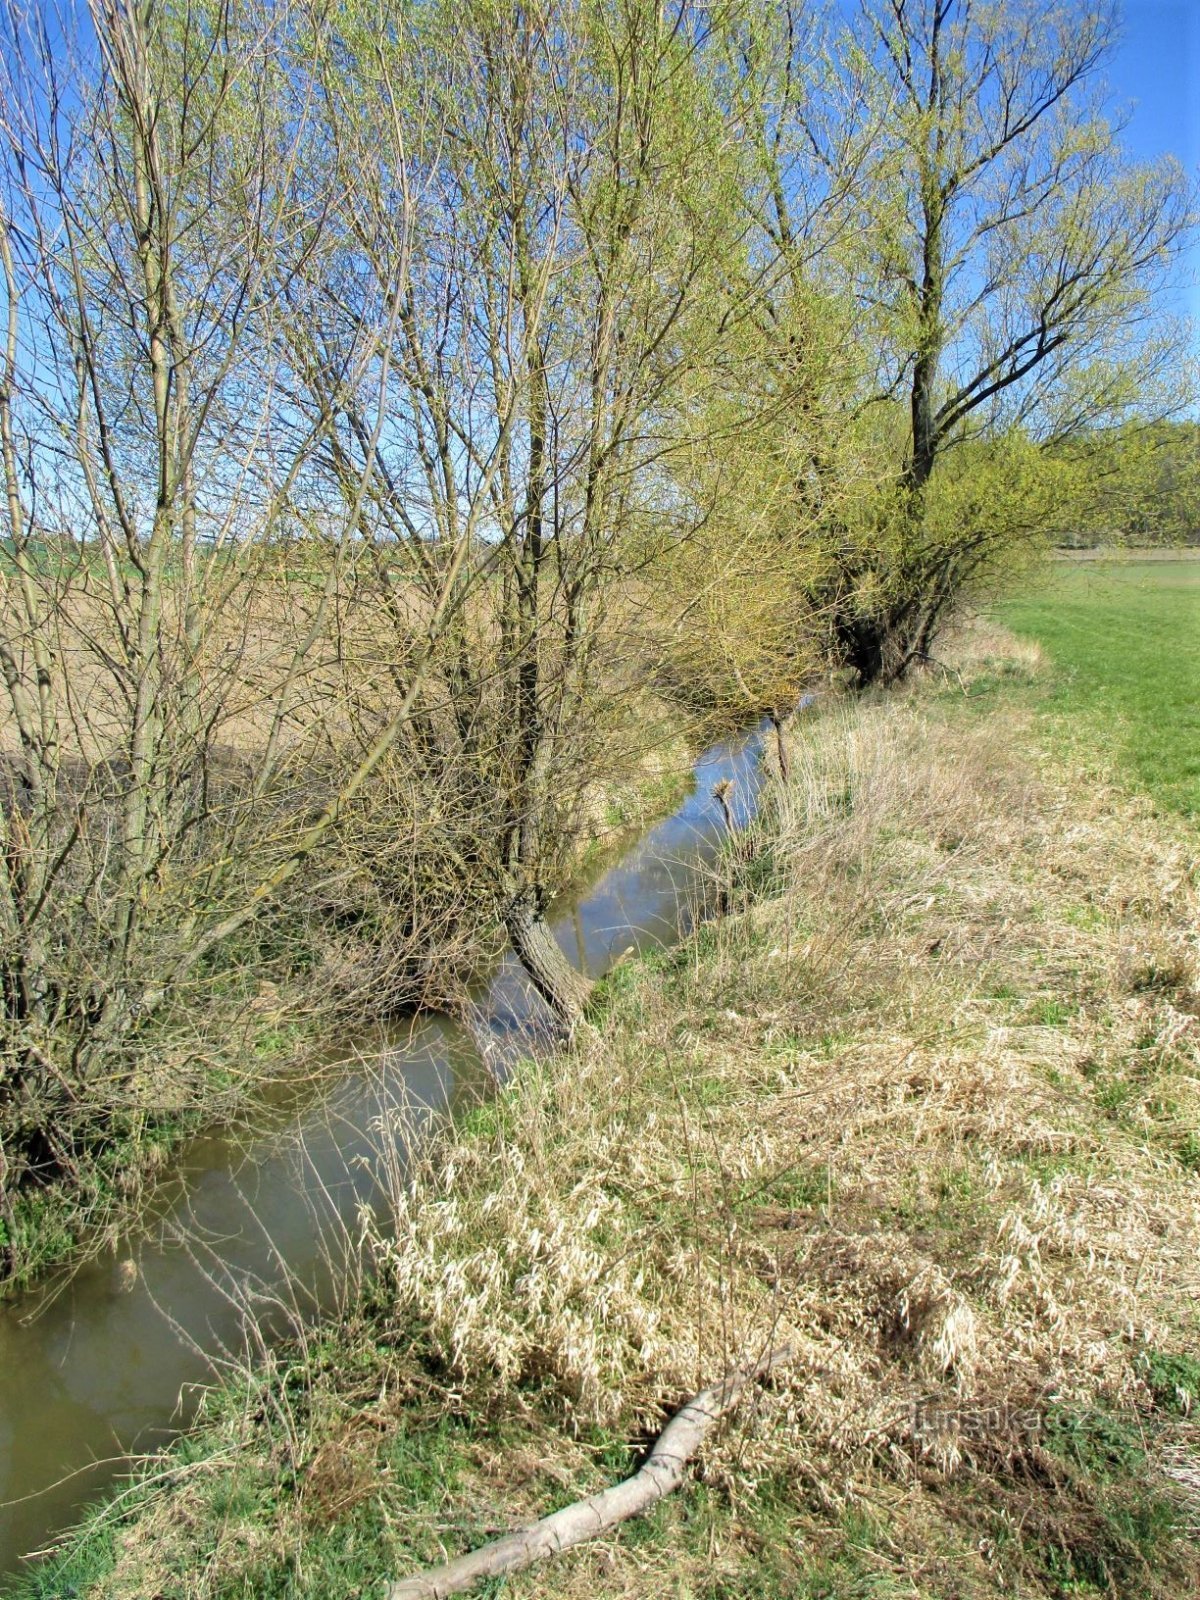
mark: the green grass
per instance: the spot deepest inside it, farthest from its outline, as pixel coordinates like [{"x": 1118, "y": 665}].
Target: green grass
[
  {"x": 1123, "y": 1523},
  {"x": 1173, "y": 1379},
  {"x": 1124, "y": 640}
]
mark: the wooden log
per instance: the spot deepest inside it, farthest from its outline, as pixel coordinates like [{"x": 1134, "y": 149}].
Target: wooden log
[{"x": 660, "y": 1474}]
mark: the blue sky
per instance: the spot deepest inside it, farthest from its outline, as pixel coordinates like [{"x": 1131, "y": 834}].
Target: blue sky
[{"x": 1156, "y": 72}]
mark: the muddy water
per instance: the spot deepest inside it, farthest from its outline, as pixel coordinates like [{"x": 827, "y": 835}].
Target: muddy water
[{"x": 106, "y": 1365}]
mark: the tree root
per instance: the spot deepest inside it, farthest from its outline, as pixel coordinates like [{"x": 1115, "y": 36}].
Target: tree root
[{"x": 660, "y": 1474}]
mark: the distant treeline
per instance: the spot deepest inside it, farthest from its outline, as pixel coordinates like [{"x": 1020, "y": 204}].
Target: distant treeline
[{"x": 1146, "y": 487}]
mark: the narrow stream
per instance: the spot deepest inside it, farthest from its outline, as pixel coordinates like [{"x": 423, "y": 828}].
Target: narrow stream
[{"x": 105, "y": 1364}]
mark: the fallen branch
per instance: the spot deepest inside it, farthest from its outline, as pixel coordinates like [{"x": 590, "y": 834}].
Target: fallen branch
[{"x": 660, "y": 1475}]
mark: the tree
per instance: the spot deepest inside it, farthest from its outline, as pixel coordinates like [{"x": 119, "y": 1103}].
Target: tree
[
  {"x": 1143, "y": 484},
  {"x": 570, "y": 208},
  {"x": 170, "y": 697},
  {"x": 1005, "y": 258}
]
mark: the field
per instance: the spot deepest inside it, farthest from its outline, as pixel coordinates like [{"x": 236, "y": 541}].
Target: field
[
  {"x": 924, "y": 1104},
  {"x": 1123, "y": 639}
]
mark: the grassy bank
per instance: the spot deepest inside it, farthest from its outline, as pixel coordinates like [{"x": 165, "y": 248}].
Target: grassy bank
[{"x": 925, "y": 1102}]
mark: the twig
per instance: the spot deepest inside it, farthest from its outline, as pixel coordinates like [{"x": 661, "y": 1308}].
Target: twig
[{"x": 721, "y": 793}]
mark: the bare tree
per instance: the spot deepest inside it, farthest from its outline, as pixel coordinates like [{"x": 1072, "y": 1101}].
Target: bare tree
[
  {"x": 571, "y": 220},
  {"x": 177, "y": 596}
]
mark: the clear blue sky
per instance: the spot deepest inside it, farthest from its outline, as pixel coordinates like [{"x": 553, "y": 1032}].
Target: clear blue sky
[{"x": 1156, "y": 72}]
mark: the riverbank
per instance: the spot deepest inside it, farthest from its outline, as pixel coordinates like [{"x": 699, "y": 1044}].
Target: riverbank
[
  {"x": 924, "y": 1102},
  {"x": 257, "y": 1040},
  {"x": 261, "y": 1221}
]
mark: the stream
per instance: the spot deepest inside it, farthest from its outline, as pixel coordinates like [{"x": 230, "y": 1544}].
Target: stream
[{"x": 106, "y": 1364}]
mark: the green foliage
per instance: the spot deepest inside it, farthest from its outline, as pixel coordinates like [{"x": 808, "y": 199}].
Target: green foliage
[
  {"x": 1097, "y": 1442},
  {"x": 1143, "y": 485},
  {"x": 797, "y": 1187},
  {"x": 972, "y": 141},
  {"x": 1116, "y": 1525},
  {"x": 1052, "y": 1013},
  {"x": 1174, "y": 1380},
  {"x": 51, "y": 1224},
  {"x": 66, "y": 1575}
]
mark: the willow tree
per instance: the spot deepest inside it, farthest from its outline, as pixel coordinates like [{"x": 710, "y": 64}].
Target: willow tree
[
  {"x": 1005, "y": 258},
  {"x": 566, "y": 172},
  {"x": 168, "y": 682},
  {"x": 785, "y": 451},
  {"x": 775, "y": 458}
]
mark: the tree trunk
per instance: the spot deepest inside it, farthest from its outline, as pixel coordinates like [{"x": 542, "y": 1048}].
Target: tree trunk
[
  {"x": 563, "y": 989},
  {"x": 861, "y": 645}
]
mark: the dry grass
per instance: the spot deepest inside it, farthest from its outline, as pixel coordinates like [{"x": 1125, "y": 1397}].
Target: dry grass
[
  {"x": 962, "y": 966},
  {"x": 926, "y": 1105}
]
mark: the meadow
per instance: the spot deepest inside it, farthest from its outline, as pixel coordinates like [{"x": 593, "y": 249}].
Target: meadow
[{"x": 1123, "y": 642}]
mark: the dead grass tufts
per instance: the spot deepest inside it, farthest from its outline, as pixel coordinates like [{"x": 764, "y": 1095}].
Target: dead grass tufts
[
  {"x": 922, "y": 1106},
  {"x": 951, "y": 1062}
]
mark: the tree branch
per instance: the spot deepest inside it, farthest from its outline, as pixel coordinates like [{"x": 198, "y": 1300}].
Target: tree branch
[{"x": 660, "y": 1475}]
